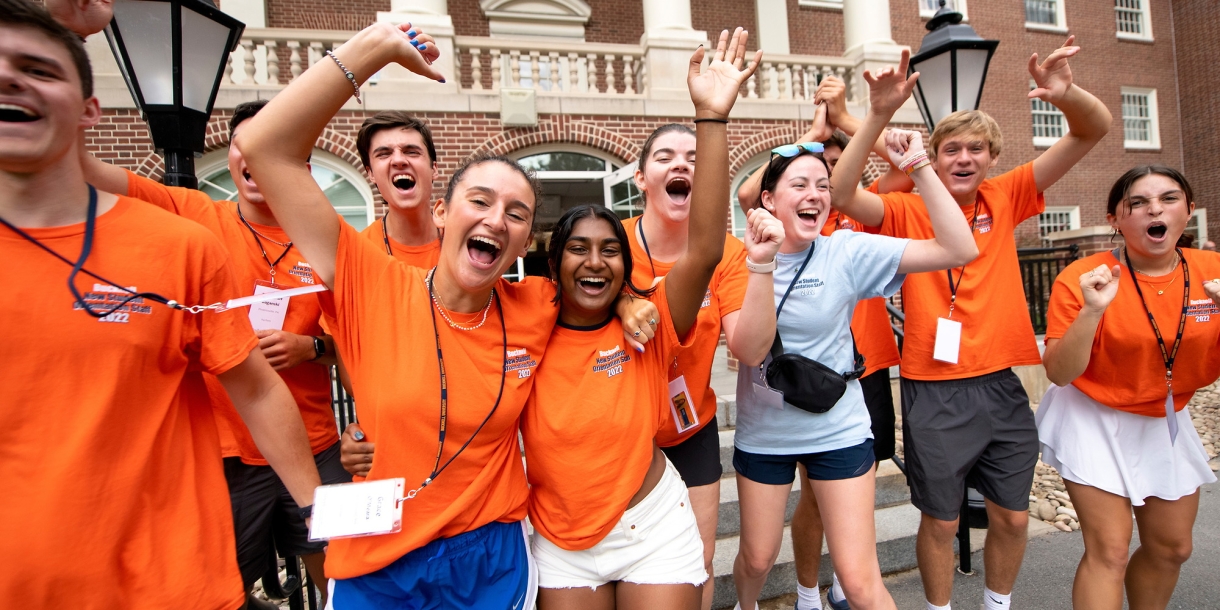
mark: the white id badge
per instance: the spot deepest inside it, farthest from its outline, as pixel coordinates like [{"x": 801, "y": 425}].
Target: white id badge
[
  {"x": 948, "y": 340},
  {"x": 268, "y": 315},
  {"x": 685, "y": 414},
  {"x": 752, "y": 386},
  {"x": 349, "y": 510}
]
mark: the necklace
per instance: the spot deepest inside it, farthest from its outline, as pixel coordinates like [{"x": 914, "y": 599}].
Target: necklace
[
  {"x": 1162, "y": 289},
  {"x": 270, "y": 263},
  {"x": 440, "y": 306}
]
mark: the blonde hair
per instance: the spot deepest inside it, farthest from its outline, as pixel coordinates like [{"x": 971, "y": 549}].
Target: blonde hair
[{"x": 967, "y": 122}]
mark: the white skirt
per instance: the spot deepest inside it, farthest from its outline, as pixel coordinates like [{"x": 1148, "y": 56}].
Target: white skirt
[{"x": 1123, "y": 453}]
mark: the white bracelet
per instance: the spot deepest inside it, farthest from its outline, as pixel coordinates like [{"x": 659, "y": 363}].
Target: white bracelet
[{"x": 760, "y": 267}]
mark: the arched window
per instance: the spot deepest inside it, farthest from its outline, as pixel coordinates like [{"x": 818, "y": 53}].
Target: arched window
[
  {"x": 738, "y": 224},
  {"x": 343, "y": 185}
]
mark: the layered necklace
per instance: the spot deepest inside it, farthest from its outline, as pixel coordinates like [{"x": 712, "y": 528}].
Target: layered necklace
[
  {"x": 440, "y": 306},
  {"x": 1159, "y": 290}
]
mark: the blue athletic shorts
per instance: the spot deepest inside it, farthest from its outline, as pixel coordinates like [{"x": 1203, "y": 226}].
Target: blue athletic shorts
[
  {"x": 489, "y": 567},
  {"x": 835, "y": 465}
]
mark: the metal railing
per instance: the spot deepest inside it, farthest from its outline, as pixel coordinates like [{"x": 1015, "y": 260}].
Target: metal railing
[
  {"x": 341, "y": 402},
  {"x": 1039, "y": 268}
]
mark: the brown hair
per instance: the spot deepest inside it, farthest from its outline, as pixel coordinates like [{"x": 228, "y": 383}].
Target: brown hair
[
  {"x": 1121, "y": 188},
  {"x": 26, "y": 14},
  {"x": 969, "y": 122},
  {"x": 391, "y": 119},
  {"x": 480, "y": 159},
  {"x": 646, "y": 149},
  {"x": 838, "y": 139}
]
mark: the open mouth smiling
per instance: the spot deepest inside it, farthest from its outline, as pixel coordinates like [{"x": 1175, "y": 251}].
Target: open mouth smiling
[
  {"x": 678, "y": 190},
  {"x": 483, "y": 250},
  {"x": 12, "y": 113}
]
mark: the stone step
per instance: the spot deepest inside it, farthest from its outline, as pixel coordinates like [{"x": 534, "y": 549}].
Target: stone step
[{"x": 892, "y": 490}]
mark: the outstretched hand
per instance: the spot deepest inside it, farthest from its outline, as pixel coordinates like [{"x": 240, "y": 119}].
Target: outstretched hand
[
  {"x": 84, "y": 17},
  {"x": 1053, "y": 77},
  {"x": 821, "y": 130},
  {"x": 832, "y": 93},
  {"x": 890, "y": 88},
  {"x": 1100, "y": 286},
  {"x": 764, "y": 235},
  {"x": 412, "y": 49},
  {"x": 715, "y": 90}
]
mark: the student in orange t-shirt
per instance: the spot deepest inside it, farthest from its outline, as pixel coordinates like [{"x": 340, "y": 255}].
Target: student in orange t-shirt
[
  {"x": 126, "y": 508},
  {"x": 1120, "y": 435},
  {"x": 265, "y": 517},
  {"x": 615, "y": 528},
  {"x": 993, "y": 445}
]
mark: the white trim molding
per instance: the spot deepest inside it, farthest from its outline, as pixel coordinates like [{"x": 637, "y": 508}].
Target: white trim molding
[
  {"x": 1139, "y": 114},
  {"x": 1133, "y": 20}
]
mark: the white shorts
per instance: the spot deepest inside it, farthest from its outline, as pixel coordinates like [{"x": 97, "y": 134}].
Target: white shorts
[
  {"x": 656, "y": 542},
  {"x": 1123, "y": 453}
]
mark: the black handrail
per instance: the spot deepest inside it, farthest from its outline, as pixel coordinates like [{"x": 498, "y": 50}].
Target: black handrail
[{"x": 1039, "y": 268}]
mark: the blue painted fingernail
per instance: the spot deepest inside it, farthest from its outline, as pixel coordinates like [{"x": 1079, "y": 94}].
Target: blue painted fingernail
[
  {"x": 442, "y": 80},
  {"x": 639, "y": 349},
  {"x": 411, "y": 33},
  {"x": 358, "y": 435},
  {"x": 423, "y": 46},
  {"x": 415, "y": 44}
]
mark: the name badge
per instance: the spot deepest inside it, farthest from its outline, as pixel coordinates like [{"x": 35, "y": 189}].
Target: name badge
[
  {"x": 268, "y": 314},
  {"x": 752, "y": 387},
  {"x": 686, "y": 417},
  {"x": 349, "y": 510},
  {"x": 948, "y": 340}
]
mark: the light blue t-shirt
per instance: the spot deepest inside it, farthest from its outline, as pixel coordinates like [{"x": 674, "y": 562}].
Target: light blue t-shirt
[{"x": 846, "y": 267}]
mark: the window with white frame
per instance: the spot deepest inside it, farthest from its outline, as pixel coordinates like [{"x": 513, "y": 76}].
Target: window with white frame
[
  {"x": 927, "y": 8},
  {"x": 1133, "y": 19},
  {"x": 1058, "y": 218},
  {"x": 1197, "y": 226},
  {"x": 1048, "y": 121},
  {"x": 1045, "y": 15},
  {"x": 1140, "y": 129}
]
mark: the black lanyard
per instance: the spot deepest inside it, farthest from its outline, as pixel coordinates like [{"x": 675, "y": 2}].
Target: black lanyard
[
  {"x": 1168, "y": 355},
  {"x": 271, "y": 265},
  {"x": 644, "y": 241},
  {"x": 794, "y": 279},
  {"x": 385, "y": 233},
  {"x": 437, "y": 467},
  {"x": 949, "y": 272},
  {"x": 79, "y": 266}
]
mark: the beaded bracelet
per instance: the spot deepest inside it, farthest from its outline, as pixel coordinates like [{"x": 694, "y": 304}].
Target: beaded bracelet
[
  {"x": 912, "y": 161},
  {"x": 348, "y": 73},
  {"x": 911, "y": 169}
]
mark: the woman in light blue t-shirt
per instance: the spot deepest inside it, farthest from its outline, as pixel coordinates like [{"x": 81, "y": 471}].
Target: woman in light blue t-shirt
[{"x": 819, "y": 280}]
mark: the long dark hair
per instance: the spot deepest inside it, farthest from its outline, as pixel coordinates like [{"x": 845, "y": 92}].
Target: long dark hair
[
  {"x": 563, "y": 231},
  {"x": 1121, "y": 188},
  {"x": 775, "y": 169}
]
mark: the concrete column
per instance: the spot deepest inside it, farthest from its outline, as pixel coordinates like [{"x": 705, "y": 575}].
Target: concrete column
[
  {"x": 668, "y": 42},
  {"x": 868, "y": 41},
  {"x": 431, "y": 16},
  {"x": 772, "y": 34},
  {"x": 253, "y": 13}
]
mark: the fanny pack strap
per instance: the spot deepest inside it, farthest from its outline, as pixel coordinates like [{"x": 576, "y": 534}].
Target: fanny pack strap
[{"x": 777, "y": 346}]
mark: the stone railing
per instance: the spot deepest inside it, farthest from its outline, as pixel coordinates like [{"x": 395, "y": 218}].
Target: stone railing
[
  {"x": 276, "y": 56},
  {"x": 796, "y": 77}
]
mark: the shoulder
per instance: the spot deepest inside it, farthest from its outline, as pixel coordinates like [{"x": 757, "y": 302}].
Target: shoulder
[
  {"x": 157, "y": 226},
  {"x": 1206, "y": 261},
  {"x": 530, "y": 291},
  {"x": 1021, "y": 175},
  {"x": 373, "y": 231},
  {"x": 1070, "y": 276},
  {"x": 901, "y": 200}
]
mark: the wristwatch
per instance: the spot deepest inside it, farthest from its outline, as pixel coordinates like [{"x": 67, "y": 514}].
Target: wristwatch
[
  {"x": 760, "y": 267},
  {"x": 319, "y": 348}
]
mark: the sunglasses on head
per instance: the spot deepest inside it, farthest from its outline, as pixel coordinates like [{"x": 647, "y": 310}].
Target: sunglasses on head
[{"x": 791, "y": 150}]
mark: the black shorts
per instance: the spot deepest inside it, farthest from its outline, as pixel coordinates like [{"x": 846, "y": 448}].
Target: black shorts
[
  {"x": 879, "y": 398},
  {"x": 977, "y": 431},
  {"x": 698, "y": 457},
  {"x": 265, "y": 513},
  {"x": 833, "y": 465}
]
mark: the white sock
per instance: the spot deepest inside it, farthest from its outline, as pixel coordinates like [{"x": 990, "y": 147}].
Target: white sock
[
  {"x": 932, "y": 606},
  {"x": 836, "y": 590},
  {"x": 995, "y": 601},
  {"x": 738, "y": 606},
  {"x": 807, "y": 598}
]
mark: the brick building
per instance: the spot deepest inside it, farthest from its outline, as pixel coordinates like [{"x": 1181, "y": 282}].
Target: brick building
[{"x": 593, "y": 77}]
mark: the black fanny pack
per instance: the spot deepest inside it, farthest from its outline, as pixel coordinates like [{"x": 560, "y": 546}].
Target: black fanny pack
[{"x": 808, "y": 384}]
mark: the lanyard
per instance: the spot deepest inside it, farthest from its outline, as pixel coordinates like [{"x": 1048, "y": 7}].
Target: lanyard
[
  {"x": 1168, "y": 355},
  {"x": 949, "y": 272},
  {"x": 644, "y": 242},
  {"x": 437, "y": 467},
  {"x": 271, "y": 265},
  {"x": 795, "y": 278},
  {"x": 79, "y": 266},
  {"x": 385, "y": 233}
]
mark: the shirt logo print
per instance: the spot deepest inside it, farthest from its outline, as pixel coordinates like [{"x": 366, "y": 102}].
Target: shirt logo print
[
  {"x": 807, "y": 285},
  {"x": 303, "y": 272},
  {"x": 104, "y": 296},
  {"x": 1202, "y": 310},
  {"x": 520, "y": 360},
  {"x": 611, "y": 361},
  {"x": 984, "y": 223},
  {"x": 707, "y": 299}
]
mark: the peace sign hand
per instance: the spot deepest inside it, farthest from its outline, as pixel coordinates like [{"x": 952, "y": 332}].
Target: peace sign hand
[
  {"x": 715, "y": 90},
  {"x": 1100, "y": 286},
  {"x": 1053, "y": 77}
]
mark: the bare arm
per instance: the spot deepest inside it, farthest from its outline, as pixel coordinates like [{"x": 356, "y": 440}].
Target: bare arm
[
  {"x": 750, "y": 331},
  {"x": 1088, "y": 119},
  {"x": 265, "y": 405},
  {"x": 952, "y": 244},
  {"x": 714, "y": 93},
  {"x": 1066, "y": 358},
  {"x": 276, "y": 144}
]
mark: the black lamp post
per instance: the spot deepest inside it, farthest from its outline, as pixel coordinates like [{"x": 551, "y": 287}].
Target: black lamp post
[
  {"x": 952, "y": 63},
  {"x": 172, "y": 54}
]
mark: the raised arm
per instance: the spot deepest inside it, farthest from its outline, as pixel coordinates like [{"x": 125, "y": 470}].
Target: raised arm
[
  {"x": 1088, "y": 119},
  {"x": 887, "y": 92},
  {"x": 276, "y": 144},
  {"x": 1067, "y": 357},
  {"x": 714, "y": 92},
  {"x": 953, "y": 242}
]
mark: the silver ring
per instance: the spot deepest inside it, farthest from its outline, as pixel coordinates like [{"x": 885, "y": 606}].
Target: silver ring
[
  {"x": 635, "y": 334},
  {"x": 653, "y": 322}
]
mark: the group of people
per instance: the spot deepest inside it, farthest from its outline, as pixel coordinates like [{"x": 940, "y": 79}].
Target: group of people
[{"x": 599, "y": 374}]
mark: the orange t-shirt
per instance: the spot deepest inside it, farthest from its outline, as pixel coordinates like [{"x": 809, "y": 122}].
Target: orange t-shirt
[
  {"x": 1126, "y": 370},
  {"x": 424, "y": 256},
  {"x": 578, "y": 489},
  {"x": 996, "y": 330},
  {"x": 724, "y": 296},
  {"x": 309, "y": 382},
  {"x": 113, "y": 491},
  {"x": 384, "y": 318},
  {"x": 871, "y": 322}
]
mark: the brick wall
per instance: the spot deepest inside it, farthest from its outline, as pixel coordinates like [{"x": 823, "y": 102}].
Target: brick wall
[
  {"x": 1197, "y": 38},
  {"x": 1104, "y": 65},
  {"x": 615, "y": 21},
  {"x": 815, "y": 31},
  {"x": 325, "y": 14},
  {"x": 712, "y": 16}
]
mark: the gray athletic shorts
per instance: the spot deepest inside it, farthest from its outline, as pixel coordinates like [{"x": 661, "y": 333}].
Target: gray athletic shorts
[{"x": 978, "y": 431}]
